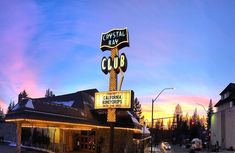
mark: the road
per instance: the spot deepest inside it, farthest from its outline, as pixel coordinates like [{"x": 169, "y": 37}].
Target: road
[
  {"x": 178, "y": 149},
  {"x": 5, "y": 148}
]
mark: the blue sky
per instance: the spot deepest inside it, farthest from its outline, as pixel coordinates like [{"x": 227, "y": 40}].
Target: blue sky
[{"x": 188, "y": 45}]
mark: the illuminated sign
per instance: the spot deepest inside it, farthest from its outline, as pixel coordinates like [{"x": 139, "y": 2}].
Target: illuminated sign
[
  {"x": 116, "y": 63},
  {"x": 114, "y": 99},
  {"x": 116, "y": 38}
]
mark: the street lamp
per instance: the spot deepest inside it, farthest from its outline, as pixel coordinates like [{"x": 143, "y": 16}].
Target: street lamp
[
  {"x": 202, "y": 107},
  {"x": 207, "y": 130},
  {"x": 153, "y": 100}
]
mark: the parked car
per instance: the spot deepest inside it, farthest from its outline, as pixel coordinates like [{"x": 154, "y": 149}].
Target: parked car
[
  {"x": 187, "y": 143},
  {"x": 196, "y": 144},
  {"x": 1, "y": 139},
  {"x": 205, "y": 144},
  {"x": 165, "y": 147}
]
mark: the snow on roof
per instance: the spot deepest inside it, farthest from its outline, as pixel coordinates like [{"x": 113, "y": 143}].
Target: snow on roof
[
  {"x": 196, "y": 139},
  {"x": 133, "y": 118},
  {"x": 17, "y": 106},
  {"x": 29, "y": 104},
  {"x": 64, "y": 103},
  {"x": 145, "y": 130}
]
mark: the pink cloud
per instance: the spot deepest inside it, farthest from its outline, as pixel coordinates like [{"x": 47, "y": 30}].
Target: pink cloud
[
  {"x": 17, "y": 73},
  {"x": 3, "y": 105}
]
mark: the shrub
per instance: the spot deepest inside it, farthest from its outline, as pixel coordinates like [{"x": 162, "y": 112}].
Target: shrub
[{"x": 231, "y": 148}]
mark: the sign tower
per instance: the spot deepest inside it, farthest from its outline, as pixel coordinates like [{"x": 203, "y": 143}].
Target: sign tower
[{"x": 114, "y": 40}]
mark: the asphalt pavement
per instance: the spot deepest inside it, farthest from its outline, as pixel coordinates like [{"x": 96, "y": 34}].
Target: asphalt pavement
[
  {"x": 178, "y": 149},
  {"x": 5, "y": 148}
]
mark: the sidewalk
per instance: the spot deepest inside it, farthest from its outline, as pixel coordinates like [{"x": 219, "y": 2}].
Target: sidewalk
[{"x": 5, "y": 148}]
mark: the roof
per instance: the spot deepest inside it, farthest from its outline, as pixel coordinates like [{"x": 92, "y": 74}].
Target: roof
[
  {"x": 145, "y": 130},
  {"x": 230, "y": 87},
  {"x": 76, "y": 107},
  {"x": 226, "y": 100},
  {"x": 231, "y": 97}
]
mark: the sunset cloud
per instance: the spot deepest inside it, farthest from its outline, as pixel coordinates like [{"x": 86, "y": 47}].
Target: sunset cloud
[
  {"x": 56, "y": 45},
  {"x": 17, "y": 73},
  {"x": 3, "y": 105},
  {"x": 165, "y": 105}
]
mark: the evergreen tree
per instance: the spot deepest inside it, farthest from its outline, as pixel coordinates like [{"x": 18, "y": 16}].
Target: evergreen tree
[
  {"x": 1, "y": 112},
  {"x": 162, "y": 125},
  {"x": 169, "y": 124},
  {"x": 10, "y": 106},
  {"x": 22, "y": 95},
  {"x": 185, "y": 127},
  {"x": 195, "y": 116},
  {"x": 196, "y": 128},
  {"x": 137, "y": 108},
  {"x": 49, "y": 93},
  {"x": 210, "y": 111}
]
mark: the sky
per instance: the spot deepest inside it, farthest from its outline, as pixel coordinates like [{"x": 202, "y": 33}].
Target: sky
[{"x": 186, "y": 45}]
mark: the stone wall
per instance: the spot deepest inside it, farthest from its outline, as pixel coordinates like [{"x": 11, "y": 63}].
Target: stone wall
[{"x": 8, "y": 131}]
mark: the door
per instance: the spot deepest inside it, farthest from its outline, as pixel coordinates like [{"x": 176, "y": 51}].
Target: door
[{"x": 87, "y": 141}]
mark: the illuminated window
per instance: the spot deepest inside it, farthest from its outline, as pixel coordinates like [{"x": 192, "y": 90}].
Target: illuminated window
[{"x": 54, "y": 134}]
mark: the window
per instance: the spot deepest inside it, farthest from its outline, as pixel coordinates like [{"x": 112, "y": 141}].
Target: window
[
  {"x": 231, "y": 104},
  {"x": 226, "y": 95},
  {"x": 222, "y": 97}
]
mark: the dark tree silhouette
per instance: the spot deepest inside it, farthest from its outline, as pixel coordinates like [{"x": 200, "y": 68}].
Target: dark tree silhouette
[
  {"x": 22, "y": 95},
  {"x": 137, "y": 108},
  {"x": 10, "y": 106},
  {"x": 195, "y": 116},
  {"x": 196, "y": 130},
  {"x": 49, "y": 93},
  {"x": 210, "y": 111},
  {"x": 1, "y": 112}
]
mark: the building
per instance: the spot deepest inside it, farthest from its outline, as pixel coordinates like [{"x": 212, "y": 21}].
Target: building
[
  {"x": 69, "y": 123},
  {"x": 223, "y": 120},
  {"x": 178, "y": 114},
  {"x": 178, "y": 111}
]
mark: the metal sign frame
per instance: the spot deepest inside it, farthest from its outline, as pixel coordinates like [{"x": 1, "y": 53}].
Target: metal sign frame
[
  {"x": 123, "y": 41},
  {"x": 127, "y": 104}
]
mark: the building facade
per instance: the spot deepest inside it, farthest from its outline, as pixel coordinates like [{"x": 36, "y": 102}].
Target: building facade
[
  {"x": 69, "y": 123},
  {"x": 223, "y": 120}
]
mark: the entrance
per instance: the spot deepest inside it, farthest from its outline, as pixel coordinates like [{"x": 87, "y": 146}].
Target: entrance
[{"x": 84, "y": 142}]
